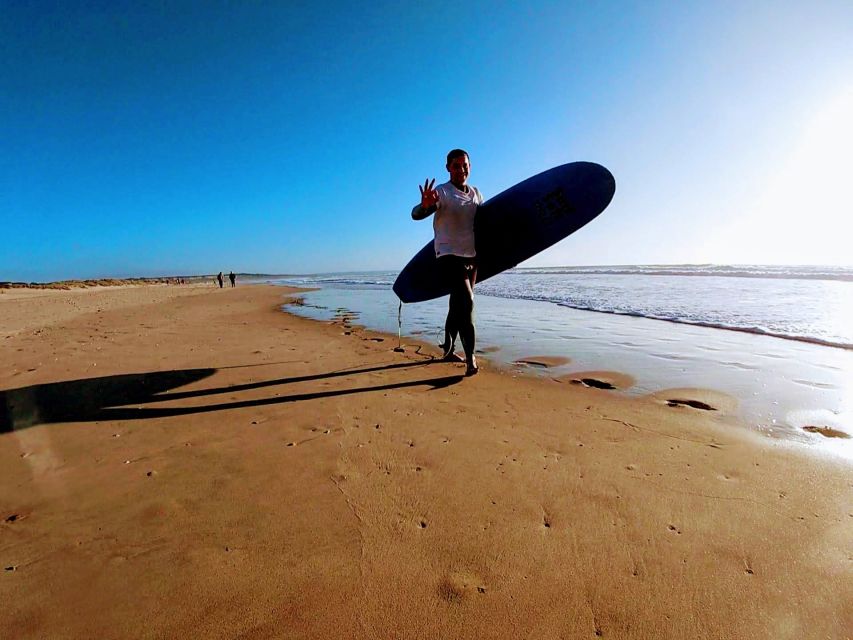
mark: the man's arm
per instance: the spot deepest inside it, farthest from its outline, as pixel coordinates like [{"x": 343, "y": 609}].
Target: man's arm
[{"x": 419, "y": 212}]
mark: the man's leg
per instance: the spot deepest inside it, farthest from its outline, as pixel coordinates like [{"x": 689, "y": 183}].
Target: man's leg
[
  {"x": 450, "y": 272},
  {"x": 450, "y": 332},
  {"x": 466, "y": 324}
]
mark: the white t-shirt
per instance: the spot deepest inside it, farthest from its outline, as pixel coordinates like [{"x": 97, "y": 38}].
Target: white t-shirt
[{"x": 453, "y": 221}]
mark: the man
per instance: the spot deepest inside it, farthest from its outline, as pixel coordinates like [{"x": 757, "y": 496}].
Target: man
[
  {"x": 455, "y": 205},
  {"x": 232, "y": 278}
]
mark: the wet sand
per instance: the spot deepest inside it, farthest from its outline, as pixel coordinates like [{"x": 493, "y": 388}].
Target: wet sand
[
  {"x": 544, "y": 362},
  {"x": 191, "y": 462},
  {"x": 780, "y": 386}
]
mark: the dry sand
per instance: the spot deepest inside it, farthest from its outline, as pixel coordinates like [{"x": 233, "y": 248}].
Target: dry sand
[{"x": 191, "y": 462}]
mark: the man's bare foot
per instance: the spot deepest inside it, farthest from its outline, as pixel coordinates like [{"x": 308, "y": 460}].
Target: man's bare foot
[
  {"x": 448, "y": 354},
  {"x": 472, "y": 369}
]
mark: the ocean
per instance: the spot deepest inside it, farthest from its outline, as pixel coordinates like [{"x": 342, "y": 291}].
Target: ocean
[{"x": 779, "y": 339}]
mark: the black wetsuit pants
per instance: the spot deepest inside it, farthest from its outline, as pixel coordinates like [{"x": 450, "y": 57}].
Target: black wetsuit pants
[{"x": 462, "y": 273}]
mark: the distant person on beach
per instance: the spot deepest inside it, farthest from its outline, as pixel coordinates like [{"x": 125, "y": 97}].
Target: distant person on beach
[
  {"x": 219, "y": 278},
  {"x": 232, "y": 278},
  {"x": 454, "y": 204}
]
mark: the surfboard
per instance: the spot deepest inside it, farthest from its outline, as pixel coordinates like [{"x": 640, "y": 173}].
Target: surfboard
[{"x": 517, "y": 224}]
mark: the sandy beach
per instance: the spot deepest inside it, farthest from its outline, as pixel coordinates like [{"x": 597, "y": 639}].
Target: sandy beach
[{"x": 193, "y": 462}]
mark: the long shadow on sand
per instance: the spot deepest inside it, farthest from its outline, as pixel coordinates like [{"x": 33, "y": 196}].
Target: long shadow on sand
[{"x": 107, "y": 398}]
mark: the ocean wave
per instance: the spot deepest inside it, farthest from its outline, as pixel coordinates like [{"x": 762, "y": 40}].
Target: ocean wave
[
  {"x": 844, "y": 274},
  {"x": 728, "y": 327},
  {"x": 580, "y": 306},
  {"x": 349, "y": 282}
]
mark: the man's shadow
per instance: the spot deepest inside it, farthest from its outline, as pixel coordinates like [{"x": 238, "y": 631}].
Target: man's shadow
[{"x": 106, "y": 398}]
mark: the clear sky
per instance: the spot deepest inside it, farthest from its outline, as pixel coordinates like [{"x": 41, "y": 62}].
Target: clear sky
[{"x": 290, "y": 137}]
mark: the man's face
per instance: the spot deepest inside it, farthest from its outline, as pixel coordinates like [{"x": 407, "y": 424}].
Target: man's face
[{"x": 459, "y": 169}]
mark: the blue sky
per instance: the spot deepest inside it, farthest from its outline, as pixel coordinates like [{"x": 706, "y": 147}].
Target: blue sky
[{"x": 181, "y": 138}]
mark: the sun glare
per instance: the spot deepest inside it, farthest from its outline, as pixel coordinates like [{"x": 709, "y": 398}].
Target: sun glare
[
  {"x": 806, "y": 207},
  {"x": 821, "y": 167}
]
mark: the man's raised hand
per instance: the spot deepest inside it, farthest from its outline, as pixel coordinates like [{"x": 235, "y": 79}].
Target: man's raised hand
[{"x": 429, "y": 196}]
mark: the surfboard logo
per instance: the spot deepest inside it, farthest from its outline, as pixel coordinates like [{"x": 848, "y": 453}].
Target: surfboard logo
[{"x": 553, "y": 206}]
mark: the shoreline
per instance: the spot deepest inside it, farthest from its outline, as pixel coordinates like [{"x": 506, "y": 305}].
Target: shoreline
[
  {"x": 781, "y": 387},
  {"x": 636, "y": 293},
  {"x": 267, "y": 475}
]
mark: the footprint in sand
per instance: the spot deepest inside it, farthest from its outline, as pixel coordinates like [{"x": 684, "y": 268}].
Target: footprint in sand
[
  {"x": 544, "y": 362},
  {"x": 458, "y": 585},
  {"x": 609, "y": 380},
  {"x": 694, "y": 404},
  {"x": 592, "y": 382},
  {"x": 826, "y": 432},
  {"x": 696, "y": 398},
  {"x": 486, "y": 350}
]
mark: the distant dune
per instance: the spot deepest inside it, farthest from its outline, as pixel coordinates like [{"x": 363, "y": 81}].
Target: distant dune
[{"x": 103, "y": 282}]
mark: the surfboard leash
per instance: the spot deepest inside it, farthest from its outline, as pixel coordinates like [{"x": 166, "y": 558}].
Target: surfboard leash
[{"x": 399, "y": 347}]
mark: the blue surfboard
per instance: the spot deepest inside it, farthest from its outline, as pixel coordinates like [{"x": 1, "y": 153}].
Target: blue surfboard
[{"x": 517, "y": 224}]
